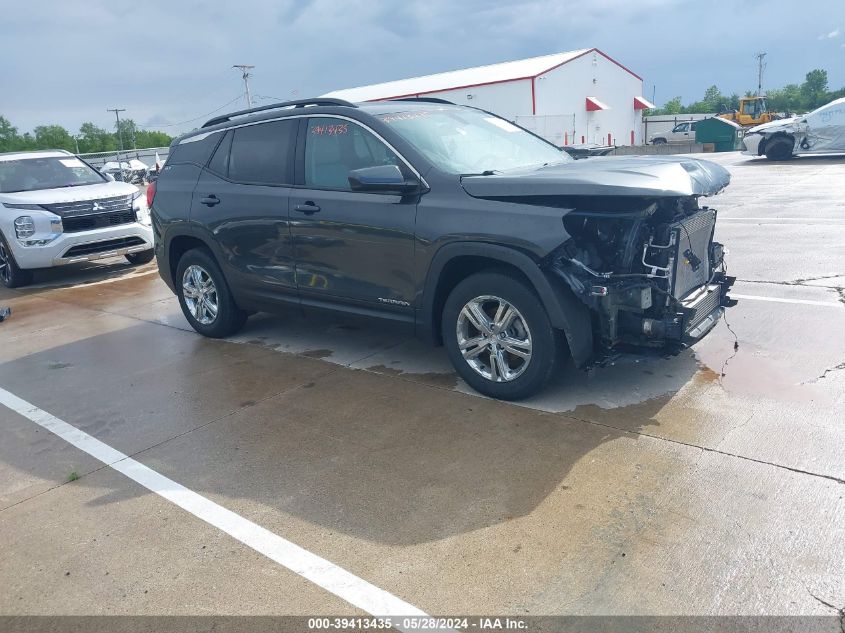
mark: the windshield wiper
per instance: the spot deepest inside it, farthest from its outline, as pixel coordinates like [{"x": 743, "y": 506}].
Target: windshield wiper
[{"x": 489, "y": 172}]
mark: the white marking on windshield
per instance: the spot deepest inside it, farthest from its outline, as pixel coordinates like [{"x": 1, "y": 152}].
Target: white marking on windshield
[{"x": 501, "y": 123}]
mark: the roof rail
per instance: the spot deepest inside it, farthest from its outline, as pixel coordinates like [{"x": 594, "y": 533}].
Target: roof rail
[
  {"x": 424, "y": 100},
  {"x": 285, "y": 104}
]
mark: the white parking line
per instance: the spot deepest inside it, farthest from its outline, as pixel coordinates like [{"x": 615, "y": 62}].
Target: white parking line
[
  {"x": 777, "y": 219},
  {"x": 767, "y": 223},
  {"x": 809, "y": 302},
  {"x": 336, "y": 580}
]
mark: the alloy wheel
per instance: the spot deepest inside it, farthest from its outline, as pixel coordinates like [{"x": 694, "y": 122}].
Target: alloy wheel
[
  {"x": 200, "y": 294},
  {"x": 494, "y": 338},
  {"x": 5, "y": 266}
]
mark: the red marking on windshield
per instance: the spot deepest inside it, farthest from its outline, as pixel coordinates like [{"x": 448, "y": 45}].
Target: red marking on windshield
[{"x": 333, "y": 129}]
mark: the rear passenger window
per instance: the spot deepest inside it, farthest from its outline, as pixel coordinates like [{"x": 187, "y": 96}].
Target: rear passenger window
[
  {"x": 263, "y": 153},
  {"x": 194, "y": 151}
]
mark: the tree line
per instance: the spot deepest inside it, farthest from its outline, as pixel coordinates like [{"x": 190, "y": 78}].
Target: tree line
[
  {"x": 89, "y": 139},
  {"x": 795, "y": 98}
]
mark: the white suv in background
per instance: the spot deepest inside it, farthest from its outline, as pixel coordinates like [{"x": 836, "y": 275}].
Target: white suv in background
[{"x": 56, "y": 209}]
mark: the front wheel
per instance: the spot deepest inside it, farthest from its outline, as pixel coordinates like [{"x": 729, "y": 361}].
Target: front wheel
[
  {"x": 204, "y": 296},
  {"x": 10, "y": 274},
  {"x": 143, "y": 257},
  {"x": 499, "y": 337},
  {"x": 779, "y": 148}
]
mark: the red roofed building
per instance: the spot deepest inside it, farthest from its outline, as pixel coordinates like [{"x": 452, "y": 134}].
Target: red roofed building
[{"x": 569, "y": 98}]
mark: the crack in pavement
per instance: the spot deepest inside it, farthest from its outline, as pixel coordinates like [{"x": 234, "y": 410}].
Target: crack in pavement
[
  {"x": 794, "y": 282},
  {"x": 840, "y": 611},
  {"x": 800, "y": 471},
  {"x": 736, "y": 428},
  {"x": 827, "y": 371},
  {"x": 659, "y": 438}
]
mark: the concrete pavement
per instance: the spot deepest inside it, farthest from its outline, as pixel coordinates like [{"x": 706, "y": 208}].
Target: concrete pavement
[{"x": 706, "y": 483}]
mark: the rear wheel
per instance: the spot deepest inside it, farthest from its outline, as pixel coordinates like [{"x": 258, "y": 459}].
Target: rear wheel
[
  {"x": 10, "y": 274},
  {"x": 205, "y": 297},
  {"x": 144, "y": 257},
  {"x": 498, "y": 336},
  {"x": 779, "y": 148},
  {"x": 659, "y": 141}
]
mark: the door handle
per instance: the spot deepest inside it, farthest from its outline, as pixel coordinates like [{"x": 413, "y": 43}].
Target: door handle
[
  {"x": 308, "y": 208},
  {"x": 210, "y": 200}
]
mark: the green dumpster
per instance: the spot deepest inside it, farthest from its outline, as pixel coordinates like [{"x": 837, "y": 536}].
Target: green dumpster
[{"x": 726, "y": 136}]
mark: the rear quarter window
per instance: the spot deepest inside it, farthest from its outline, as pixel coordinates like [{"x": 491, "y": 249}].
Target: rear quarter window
[{"x": 220, "y": 161}]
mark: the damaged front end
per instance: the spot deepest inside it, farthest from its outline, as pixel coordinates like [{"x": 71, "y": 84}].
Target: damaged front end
[
  {"x": 652, "y": 276},
  {"x": 638, "y": 248}
]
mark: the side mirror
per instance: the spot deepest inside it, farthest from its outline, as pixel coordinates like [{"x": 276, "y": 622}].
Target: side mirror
[
  {"x": 381, "y": 179},
  {"x": 109, "y": 177}
]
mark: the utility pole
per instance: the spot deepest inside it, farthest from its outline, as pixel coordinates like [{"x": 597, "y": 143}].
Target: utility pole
[
  {"x": 761, "y": 66},
  {"x": 245, "y": 68},
  {"x": 117, "y": 112}
]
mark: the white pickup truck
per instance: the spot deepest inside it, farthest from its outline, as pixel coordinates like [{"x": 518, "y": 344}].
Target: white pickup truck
[{"x": 681, "y": 133}]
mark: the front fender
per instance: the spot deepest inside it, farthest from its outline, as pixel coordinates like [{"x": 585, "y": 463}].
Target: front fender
[{"x": 565, "y": 312}]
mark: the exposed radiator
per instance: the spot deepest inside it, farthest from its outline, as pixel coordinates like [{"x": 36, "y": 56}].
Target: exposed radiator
[{"x": 692, "y": 237}]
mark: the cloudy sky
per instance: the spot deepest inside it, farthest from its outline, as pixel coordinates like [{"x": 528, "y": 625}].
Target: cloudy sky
[{"x": 168, "y": 62}]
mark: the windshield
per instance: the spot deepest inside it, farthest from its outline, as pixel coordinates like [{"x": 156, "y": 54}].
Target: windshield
[
  {"x": 32, "y": 174},
  {"x": 462, "y": 141}
]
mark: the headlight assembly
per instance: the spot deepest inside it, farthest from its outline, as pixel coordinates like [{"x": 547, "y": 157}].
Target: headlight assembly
[{"x": 24, "y": 227}]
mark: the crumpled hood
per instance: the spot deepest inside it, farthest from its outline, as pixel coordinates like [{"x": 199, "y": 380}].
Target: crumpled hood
[
  {"x": 773, "y": 126},
  {"x": 647, "y": 176}
]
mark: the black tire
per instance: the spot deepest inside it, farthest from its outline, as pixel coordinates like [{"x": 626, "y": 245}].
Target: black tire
[
  {"x": 545, "y": 341},
  {"x": 779, "y": 148},
  {"x": 229, "y": 318},
  {"x": 142, "y": 257},
  {"x": 659, "y": 141},
  {"x": 11, "y": 275}
]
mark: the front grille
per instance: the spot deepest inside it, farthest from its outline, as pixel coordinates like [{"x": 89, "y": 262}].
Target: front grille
[
  {"x": 97, "y": 221},
  {"x": 102, "y": 247},
  {"x": 86, "y": 207},
  {"x": 693, "y": 236}
]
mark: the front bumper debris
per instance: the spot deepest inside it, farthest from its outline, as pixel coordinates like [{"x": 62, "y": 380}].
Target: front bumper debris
[{"x": 692, "y": 317}]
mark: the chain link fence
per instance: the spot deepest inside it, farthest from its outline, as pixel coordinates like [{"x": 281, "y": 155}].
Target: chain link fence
[{"x": 146, "y": 156}]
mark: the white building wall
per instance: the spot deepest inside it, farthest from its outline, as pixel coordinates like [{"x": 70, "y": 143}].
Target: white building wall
[
  {"x": 560, "y": 101},
  {"x": 507, "y": 99},
  {"x": 564, "y": 91}
]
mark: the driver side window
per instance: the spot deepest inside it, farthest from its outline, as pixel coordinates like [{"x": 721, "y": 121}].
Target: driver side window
[{"x": 334, "y": 147}]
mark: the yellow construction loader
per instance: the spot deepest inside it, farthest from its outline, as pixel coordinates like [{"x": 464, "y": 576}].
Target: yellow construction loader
[{"x": 752, "y": 111}]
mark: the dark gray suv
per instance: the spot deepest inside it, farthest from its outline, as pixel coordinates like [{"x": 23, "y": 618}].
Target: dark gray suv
[{"x": 475, "y": 232}]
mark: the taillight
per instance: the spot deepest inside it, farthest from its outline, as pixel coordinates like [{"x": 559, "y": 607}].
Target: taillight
[{"x": 151, "y": 193}]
